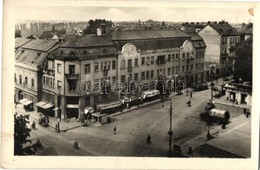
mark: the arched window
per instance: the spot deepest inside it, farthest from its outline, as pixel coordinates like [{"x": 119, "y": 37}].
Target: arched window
[{"x": 20, "y": 79}]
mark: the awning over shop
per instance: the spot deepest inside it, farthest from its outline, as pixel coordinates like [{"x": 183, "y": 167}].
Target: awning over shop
[
  {"x": 88, "y": 110},
  {"x": 109, "y": 105},
  {"x": 23, "y": 100},
  {"x": 150, "y": 93},
  {"x": 41, "y": 103},
  {"x": 72, "y": 106},
  {"x": 47, "y": 106},
  {"x": 27, "y": 102}
]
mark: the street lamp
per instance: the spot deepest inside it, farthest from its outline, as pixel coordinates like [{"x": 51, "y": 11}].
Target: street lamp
[
  {"x": 59, "y": 112},
  {"x": 170, "y": 132},
  {"x": 212, "y": 85}
]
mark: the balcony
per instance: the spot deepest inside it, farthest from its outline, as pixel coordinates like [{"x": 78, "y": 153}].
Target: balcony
[
  {"x": 72, "y": 76},
  {"x": 161, "y": 61}
]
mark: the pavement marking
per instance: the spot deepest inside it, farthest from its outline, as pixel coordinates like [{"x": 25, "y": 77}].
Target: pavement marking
[{"x": 234, "y": 128}]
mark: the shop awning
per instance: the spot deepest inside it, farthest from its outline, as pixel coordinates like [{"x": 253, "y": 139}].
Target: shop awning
[
  {"x": 41, "y": 103},
  {"x": 150, "y": 93},
  {"x": 109, "y": 105},
  {"x": 73, "y": 106},
  {"x": 88, "y": 110},
  {"x": 23, "y": 100},
  {"x": 56, "y": 108},
  {"x": 47, "y": 106},
  {"x": 26, "y": 103}
]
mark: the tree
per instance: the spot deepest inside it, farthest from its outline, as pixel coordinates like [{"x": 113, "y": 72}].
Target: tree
[
  {"x": 94, "y": 24},
  {"x": 243, "y": 61},
  {"x": 22, "y": 145}
]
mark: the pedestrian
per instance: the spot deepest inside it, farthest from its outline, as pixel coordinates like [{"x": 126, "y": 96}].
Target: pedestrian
[
  {"x": 76, "y": 144},
  {"x": 247, "y": 114},
  {"x": 244, "y": 111},
  {"x": 114, "y": 129},
  {"x": 189, "y": 103},
  {"x": 148, "y": 140},
  {"x": 191, "y": 94}
]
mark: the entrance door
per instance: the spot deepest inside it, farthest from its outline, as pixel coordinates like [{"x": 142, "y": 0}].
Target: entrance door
[
  {"x": 20, "y": 95},
  {"x": 243, "y": 98}
]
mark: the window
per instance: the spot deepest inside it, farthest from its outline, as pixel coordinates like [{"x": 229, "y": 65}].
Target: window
[
  {"x": 173, "y": 57},
  {"x": 143, "y": 75},
  {"x": 53, "y": 84},
  {"x": 71, "y": 69},
  {"x": 177, "y": 56},
  {"x": 105, "y": 67},
  {"x": 191, "y": 67},
  {"x": 129, "y": 77},
  {"x": 96, "y": 67},
  {"x": 143, "y": 61},
  {"x": 152, "y": 60},
  {"x": 161, "y": 59},
  {"x": 72, "y": 86},
  {"x": 169, "y": 71},
  {"x": 123, "y": 63},
  {"x": 58, "y": 84},
  {"x": 188, "y": 55},
  {"x": 177, "y": 69},
  {"x": 44, "y": 80},
  {"x": 136, "y": 62},
  {"x": 101, "y": 66},
  {"x": 183, "y": 56},
  {"x": 15, "y": 77},
  {"x": 169, "y": 58},
  {"x": 113, "y": 65},
  {"x": 26, "y": 81},
  {"x": 32, "y": 82},
  {"x": 59, "y": 68},
  {"x": 147, "y": 74},
  {"x": 87, "y": 68},
  {"x": 50, "y": 64},
  {"x": 20, "y": 79},
  {"x": 202, "y": 54},
  {"x": 122, "y": 79},
  {"x": 187, "y": 67},
  {"x": 152, "y": 74},
  {"x": 196, "y": 66},
  {"x": 172, "y": 70},
  {"x": 202, "y": 66},
  {"x": 129, "y": 63},
  {"x": 136, "y": 76},
  {"x": 183, "y": 68},
  {"x": 108, "y": 65},
  {"x": 148, "y": 60}
]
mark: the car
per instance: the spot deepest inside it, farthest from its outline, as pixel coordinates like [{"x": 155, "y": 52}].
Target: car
[{"x": 200, "y": 86}]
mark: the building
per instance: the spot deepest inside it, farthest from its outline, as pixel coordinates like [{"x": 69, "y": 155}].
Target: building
[
  {"x": 239, "y": 93},
  {"x": 80, "y": 71},
  {"x": 192, "y": 27},
  {"x": 20, "y": 42},
  {"x": 246, "y": 31},
  {"x": 153, "y": 54},
  {"x": 221, "y": 39},
  {"x": 29, "y": 59}
]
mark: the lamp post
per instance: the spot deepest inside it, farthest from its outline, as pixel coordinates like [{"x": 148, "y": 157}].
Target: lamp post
[
  {"x": 170, "y": 132},
  {"x": 59, "y": 112}
]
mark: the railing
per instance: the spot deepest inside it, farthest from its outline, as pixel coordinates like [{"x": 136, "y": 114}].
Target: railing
[
  {"x": 161, "y": 61},
  {"x": 72, "y": 76}
]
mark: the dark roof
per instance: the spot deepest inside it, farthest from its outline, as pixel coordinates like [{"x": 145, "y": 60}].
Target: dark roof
[
  {"x": 40, "y": 45},
  {"x": 88, "y": 41},
  {"x": 197, "y": 40},
  {"x": 20, "y": 41},
  {"x": 31, "y": 58},
  {"x": 224, "y": 28},
  {"x": 147, "y": 34},
  {"x": 246, "y": 28},
  {"x": 50, "y": 34},
  {"x": 192, "y": 27}
]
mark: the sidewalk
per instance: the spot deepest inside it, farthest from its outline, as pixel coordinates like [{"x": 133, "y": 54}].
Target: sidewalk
[{"x": 235, "y": 139}]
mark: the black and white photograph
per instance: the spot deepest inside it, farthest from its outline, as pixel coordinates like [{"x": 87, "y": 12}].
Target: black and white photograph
[{"x": 100, "y": 82}]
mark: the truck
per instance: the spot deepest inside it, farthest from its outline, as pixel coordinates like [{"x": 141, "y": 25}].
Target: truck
[{"x": 216, "y": 115}]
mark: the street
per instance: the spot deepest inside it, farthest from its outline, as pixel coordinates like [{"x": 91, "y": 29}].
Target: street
[{"x": 132, "y": 130}]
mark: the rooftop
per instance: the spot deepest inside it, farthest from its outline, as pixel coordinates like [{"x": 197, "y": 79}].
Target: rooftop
[
  {"x": 21, "y": 41},
  {"x": 246, "y": 28},
  {"x": 197, "y": 40},
  {"x": 223, "y": 28},
  {"x": 40, "y": 45},
  {"x": 147, "y": 34}
]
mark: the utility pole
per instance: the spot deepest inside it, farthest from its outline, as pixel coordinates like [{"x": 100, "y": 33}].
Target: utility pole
[{"x": 170, "y": 132}]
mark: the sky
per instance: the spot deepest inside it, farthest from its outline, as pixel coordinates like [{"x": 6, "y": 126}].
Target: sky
[{"x": 160, "y": 12}]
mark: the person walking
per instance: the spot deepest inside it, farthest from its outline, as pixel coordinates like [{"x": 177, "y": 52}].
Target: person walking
[
  {"x": 114, "y": 130},
  {"x": 148, "y": 140},
  {"x": 76, "y": 144},
  {"x": 244, "y": 111}
]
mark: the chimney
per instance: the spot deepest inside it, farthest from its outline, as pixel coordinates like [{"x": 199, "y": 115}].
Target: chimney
[{"x": 208, "y": 22}]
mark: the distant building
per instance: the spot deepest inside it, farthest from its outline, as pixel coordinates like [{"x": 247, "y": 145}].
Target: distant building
[
  {"x": 192, "y": 27},
  {"x": 29, "y": 60},
  {"x": 221, "y": 39},
  {"x": 246, "y": 31}
]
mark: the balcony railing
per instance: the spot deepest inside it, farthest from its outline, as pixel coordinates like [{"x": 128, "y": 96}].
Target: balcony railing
[
  {"x": 72, "y": 76},
  {"x": 161, "y": 61}
]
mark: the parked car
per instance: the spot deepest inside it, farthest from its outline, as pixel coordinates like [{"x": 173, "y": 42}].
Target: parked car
[
  {"x": 216, "y": 115},
  {"x": 200, "y": 86}
]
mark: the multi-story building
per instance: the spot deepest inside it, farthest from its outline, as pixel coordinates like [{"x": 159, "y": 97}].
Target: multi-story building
[
  {"x": 246, "y": 31},
  {"x": 221, "y": 39},
  {"x": 150, "y": 54},
  {"x": 28, "y": 71},
  {"x": 79, "y": 72}
]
